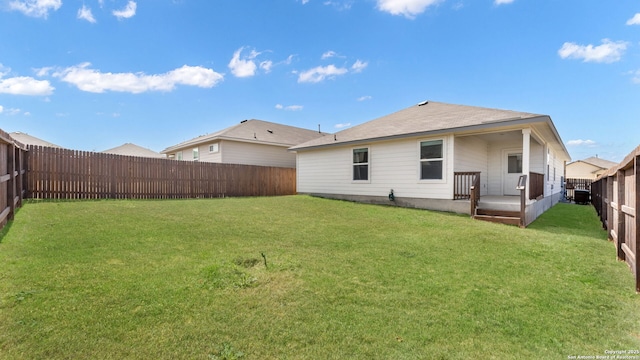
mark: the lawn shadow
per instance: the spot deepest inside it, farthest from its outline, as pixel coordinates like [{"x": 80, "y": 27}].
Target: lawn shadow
[
  {"x": 571, "y": 219},
  {"x": 5, "y": 230}
]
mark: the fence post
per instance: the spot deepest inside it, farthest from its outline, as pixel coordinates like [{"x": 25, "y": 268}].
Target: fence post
[
  {"x": 620, "y": 225},
  {"x": 11, "y": 184},
  {"x": 635, "y": 237}
]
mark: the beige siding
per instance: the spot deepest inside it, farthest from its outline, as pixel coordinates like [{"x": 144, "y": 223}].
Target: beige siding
[
  {"x": 581, "y": 170},
  {"x": 393, "y": 165},
  {"x": 471, "y": 154},
  {"x": 234, "y": 152},
  {"x": 206, "y": 156}
]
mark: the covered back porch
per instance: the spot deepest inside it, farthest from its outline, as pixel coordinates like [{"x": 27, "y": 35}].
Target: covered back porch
[{"x": 503, "y": 175}]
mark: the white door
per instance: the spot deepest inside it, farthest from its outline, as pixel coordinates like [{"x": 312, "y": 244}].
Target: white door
[{"x": 512, "y": 172}]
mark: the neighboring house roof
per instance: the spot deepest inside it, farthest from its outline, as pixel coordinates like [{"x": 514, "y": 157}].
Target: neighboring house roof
[
  {"x": 130, "y": 149},
  {"x": 428, "y": 118},
  {"x": 31, "y": 140},
  {"x": 255, "y": 131},
  {"x": 597, "y": 162}
]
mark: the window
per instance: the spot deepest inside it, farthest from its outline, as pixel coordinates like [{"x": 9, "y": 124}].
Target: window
[
  {"x": 213, "y": 148},
  {"x": 179, "y": 155},
  {"x": 431, "y": 160},
  {"x": 361, "y": 164},
  {"x": 196, "y": 154},
  {"x": 514, "y": 164}
]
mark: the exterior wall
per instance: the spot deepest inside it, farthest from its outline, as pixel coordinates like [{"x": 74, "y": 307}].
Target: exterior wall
[
  {"x": 471, "y": 154},
  {"x": 537, "y": 163},
  {"x": 392, "y": 165},
  {"x": 234, "y": 152},
  {"x": 206, "y": 156},
  {"x": 553, "y": 179},
  {"x": 581, "y": 170},
  {"x": 496, "y": 171}
]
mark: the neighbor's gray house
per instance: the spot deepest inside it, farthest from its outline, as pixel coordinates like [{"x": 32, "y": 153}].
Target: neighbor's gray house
[
  {"x": 129, "y": 149},
  {"x": 251, "y": 142},
  {"x": 430, "y": 153},
  {"x": 590, "y": 168}
]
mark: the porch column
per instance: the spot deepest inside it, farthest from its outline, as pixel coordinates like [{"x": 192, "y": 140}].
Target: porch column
[{"x": 526, "y": 156}]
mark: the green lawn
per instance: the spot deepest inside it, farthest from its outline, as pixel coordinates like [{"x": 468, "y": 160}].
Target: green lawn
[{"x": 186, "y": 279}]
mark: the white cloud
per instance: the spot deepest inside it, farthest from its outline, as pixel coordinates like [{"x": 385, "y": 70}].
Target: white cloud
[
  {"x": 245, "y": 66},
  {"x": 339, "y": 5},
  {"x": 635, "y": 20},
  {"x": 635, "y": 76},
  {"x": 87, "y": 79},
  {"x": 502, "y": 2},
  {"x": 289, "y": 108},
  {"x": 23, "y": 85},
  {"x": 364, "y": 98},
  {"x": 44, "y": 71},
  {"x": 304, "y": 1},
  {"x": 406, "y": 8},
  {"x": 320, "y": 73},
  {"x": 329, "y": 54},
  {"x": 581, "y": 142},
  {"x": 358, "y": 66},
  {"x": 340, "y": 126},
  {"x": 10, "y": 111},
  {"x": 1, "y": 109},
  {"x": 84, "y": 13},
  {"x": 128, "y": 11},
  {"x": 266, "y": 65},
  {"x": 608, "y": 52},
  {"x": 35, "y": 8}
]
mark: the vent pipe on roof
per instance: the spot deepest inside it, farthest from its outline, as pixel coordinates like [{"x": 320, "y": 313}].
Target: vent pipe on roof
[
  {"x": 243, "y": 121},
  {"x": 423, "y": 103},
  {"x": 254, "y": 136},
  {"x": 319, "y": 132}
]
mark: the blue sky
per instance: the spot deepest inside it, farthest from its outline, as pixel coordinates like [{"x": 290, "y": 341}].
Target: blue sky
[{"x": 94, "y": 74}]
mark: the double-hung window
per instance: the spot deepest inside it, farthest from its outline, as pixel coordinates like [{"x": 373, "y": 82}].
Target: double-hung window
[
  {"x": 361, "y": 164},
  {"x": 196, "y": 154},
  {"x": 213, "y": 148},
  {"x": 431, "y": 160}
]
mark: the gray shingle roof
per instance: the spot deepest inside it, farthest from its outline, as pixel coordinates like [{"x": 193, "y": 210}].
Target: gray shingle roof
[
  {"x": 256, "y": 131},
  {"x": 423, "y": 118},
  {"x": 31, "y": 140},
  {"x": 130, "y": 149}
]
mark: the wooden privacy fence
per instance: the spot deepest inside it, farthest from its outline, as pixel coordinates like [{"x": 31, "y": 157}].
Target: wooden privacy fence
[
  {"x": 616, "y": 197},
  {"x": 55, "y": 173},
  {"x": 12, "y": 174}
]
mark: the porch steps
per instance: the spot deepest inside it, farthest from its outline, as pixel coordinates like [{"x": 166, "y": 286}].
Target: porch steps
[{"x": 498, "y": 216}]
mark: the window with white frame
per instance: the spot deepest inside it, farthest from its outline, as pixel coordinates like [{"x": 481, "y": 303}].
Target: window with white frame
[
  {"x": 179, "y": 155},
  {"x": 214, "y": 148},
  {"x": 361, "y": 164},
  {"x": 196, "y": 154},
  {"x": 431, "y": 160}
]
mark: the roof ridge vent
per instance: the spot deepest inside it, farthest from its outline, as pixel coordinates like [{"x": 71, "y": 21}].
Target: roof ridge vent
[{"x": 423, "y": 103}]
